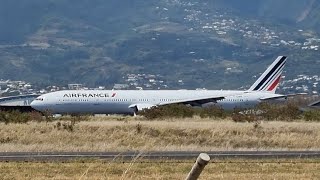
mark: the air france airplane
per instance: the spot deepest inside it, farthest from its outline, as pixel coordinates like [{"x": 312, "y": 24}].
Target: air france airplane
[{"x": 132, "y": 101}]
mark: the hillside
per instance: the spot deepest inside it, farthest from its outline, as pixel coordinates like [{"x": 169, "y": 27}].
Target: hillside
[
  {"x": 211, "y": 44},
  {"x": 285, "y": 11}
]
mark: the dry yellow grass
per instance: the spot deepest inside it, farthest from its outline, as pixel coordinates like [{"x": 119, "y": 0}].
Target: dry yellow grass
[
  {"x": 121, "y": 134},
  {"x": 235, "y": 169}
]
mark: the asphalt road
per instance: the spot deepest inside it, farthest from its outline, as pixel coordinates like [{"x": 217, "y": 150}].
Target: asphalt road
[{"x": 173, "y": 155}]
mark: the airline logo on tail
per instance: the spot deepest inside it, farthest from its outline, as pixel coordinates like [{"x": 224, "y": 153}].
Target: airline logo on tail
[{"x": 270, "y": 79}]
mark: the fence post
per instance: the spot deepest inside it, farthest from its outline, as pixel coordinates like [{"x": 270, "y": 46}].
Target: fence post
[{"x": 202, "y": 160}]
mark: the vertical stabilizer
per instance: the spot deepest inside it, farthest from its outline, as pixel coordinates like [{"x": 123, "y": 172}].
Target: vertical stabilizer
[{"x": 270, "y": 79}]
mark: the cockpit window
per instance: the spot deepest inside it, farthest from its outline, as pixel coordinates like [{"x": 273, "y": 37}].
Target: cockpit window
[{"x": 39, "y": 99}]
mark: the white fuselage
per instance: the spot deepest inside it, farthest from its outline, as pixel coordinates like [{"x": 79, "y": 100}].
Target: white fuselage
[
  {"x": 132, "y": 101},
  {"x": 119, "y": 102}
]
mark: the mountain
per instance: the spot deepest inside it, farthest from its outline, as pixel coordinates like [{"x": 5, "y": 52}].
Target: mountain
[
  {"x": 305, "y": 13},
  {"x": 212, "y": 44}
]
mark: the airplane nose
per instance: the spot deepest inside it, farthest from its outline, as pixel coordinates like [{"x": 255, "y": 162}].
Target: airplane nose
[
  {"x": 39, "y": 104},
  {"x": 36, "y": 105},
  {"x": 33, "y": 104}
]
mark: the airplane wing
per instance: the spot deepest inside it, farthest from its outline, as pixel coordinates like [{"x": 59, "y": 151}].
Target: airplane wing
[
  {"x": 192, "y": 102},
  {"x": 195, "y": 101}
]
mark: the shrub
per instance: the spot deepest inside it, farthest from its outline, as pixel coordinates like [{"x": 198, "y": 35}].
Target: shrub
[
  {"x": 36, "y": 116},
  {"x": 4, "y": 117},
  {"x": 240, "y": 117},
  {"x": 173, "y": 110},
  {"x": 313, "y": 115},
  {"x": 69, "y": 126},
  {"x": 138, "y": 128},
  {"x": 183, "y": 111},
  {"x": 14, "y": 117},
  {"x": 48, "y": 115},
  {"x": 284, "y": 112},
  {"x": 212, "y": 112},
  {"x": 20, "y": 117}
]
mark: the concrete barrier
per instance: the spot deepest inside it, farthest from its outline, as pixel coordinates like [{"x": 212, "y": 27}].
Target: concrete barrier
[{"x": 202, "y": 160}]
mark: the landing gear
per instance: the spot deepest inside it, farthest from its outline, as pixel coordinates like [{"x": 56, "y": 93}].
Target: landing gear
[{"x": 135, "y": 110}]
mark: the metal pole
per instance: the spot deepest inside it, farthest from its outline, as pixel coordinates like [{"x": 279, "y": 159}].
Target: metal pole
[{"x": 202, "y": 160}]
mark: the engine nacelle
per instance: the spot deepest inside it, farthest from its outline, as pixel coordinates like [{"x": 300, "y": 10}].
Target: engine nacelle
[{"x": 140, "y": 107}]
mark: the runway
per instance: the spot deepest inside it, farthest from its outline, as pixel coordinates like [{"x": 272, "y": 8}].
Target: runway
[{"x": 172, "y": 155}]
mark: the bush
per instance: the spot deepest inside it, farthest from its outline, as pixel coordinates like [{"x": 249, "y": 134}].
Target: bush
[
  {"x": 74, "y": 118},
  {"x": 265, "y": 111},
  {"x": 68, "y": 126},
  {"x": 19, "y": 117},
  {"x": 48, "y": 115},
  {"x": 285, "y": 112},
  {"x": 36, "y": 116},
  {"x": 313, "y": 115},
  {"x": 212, "y": 112},
  {"x": 240, "y": 117},
  {"x": 168, "y": 111},
  {"x": 182, "y": 111},
  {"x": 14, "y": 117}
]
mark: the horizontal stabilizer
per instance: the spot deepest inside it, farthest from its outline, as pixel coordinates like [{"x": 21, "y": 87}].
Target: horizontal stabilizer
[
  {"x": 315, "y": 104},
  {"x": 275, "y": 97}
]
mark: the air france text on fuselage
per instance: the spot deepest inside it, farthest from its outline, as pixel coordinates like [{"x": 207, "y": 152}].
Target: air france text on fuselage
[{"x": 85, "y": 95}]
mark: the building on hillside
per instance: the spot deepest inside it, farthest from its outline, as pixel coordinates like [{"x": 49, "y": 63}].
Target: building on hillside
[
  {"x": 120, "y": 86},
  {"x": 75, "y": 86}
]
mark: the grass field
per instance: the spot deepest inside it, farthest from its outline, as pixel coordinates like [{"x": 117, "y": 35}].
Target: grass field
[
  {"x": 127, "y": 134},
  {"x": 135, "y": 133},
  {"x": 233, "y": 169}
]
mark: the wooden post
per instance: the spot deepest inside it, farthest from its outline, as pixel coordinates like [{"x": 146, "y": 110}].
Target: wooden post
[{"x": 202, "y": 160}]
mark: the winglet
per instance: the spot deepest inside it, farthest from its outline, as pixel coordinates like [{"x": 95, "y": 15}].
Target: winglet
[{"x": 270, "y": 79}]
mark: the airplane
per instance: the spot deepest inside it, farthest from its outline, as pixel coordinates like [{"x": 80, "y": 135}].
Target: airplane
[
  {"x": 132, "y": 101},
  {"x": 4, "y": 91},
  {"x": 315, "y": 104}
]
